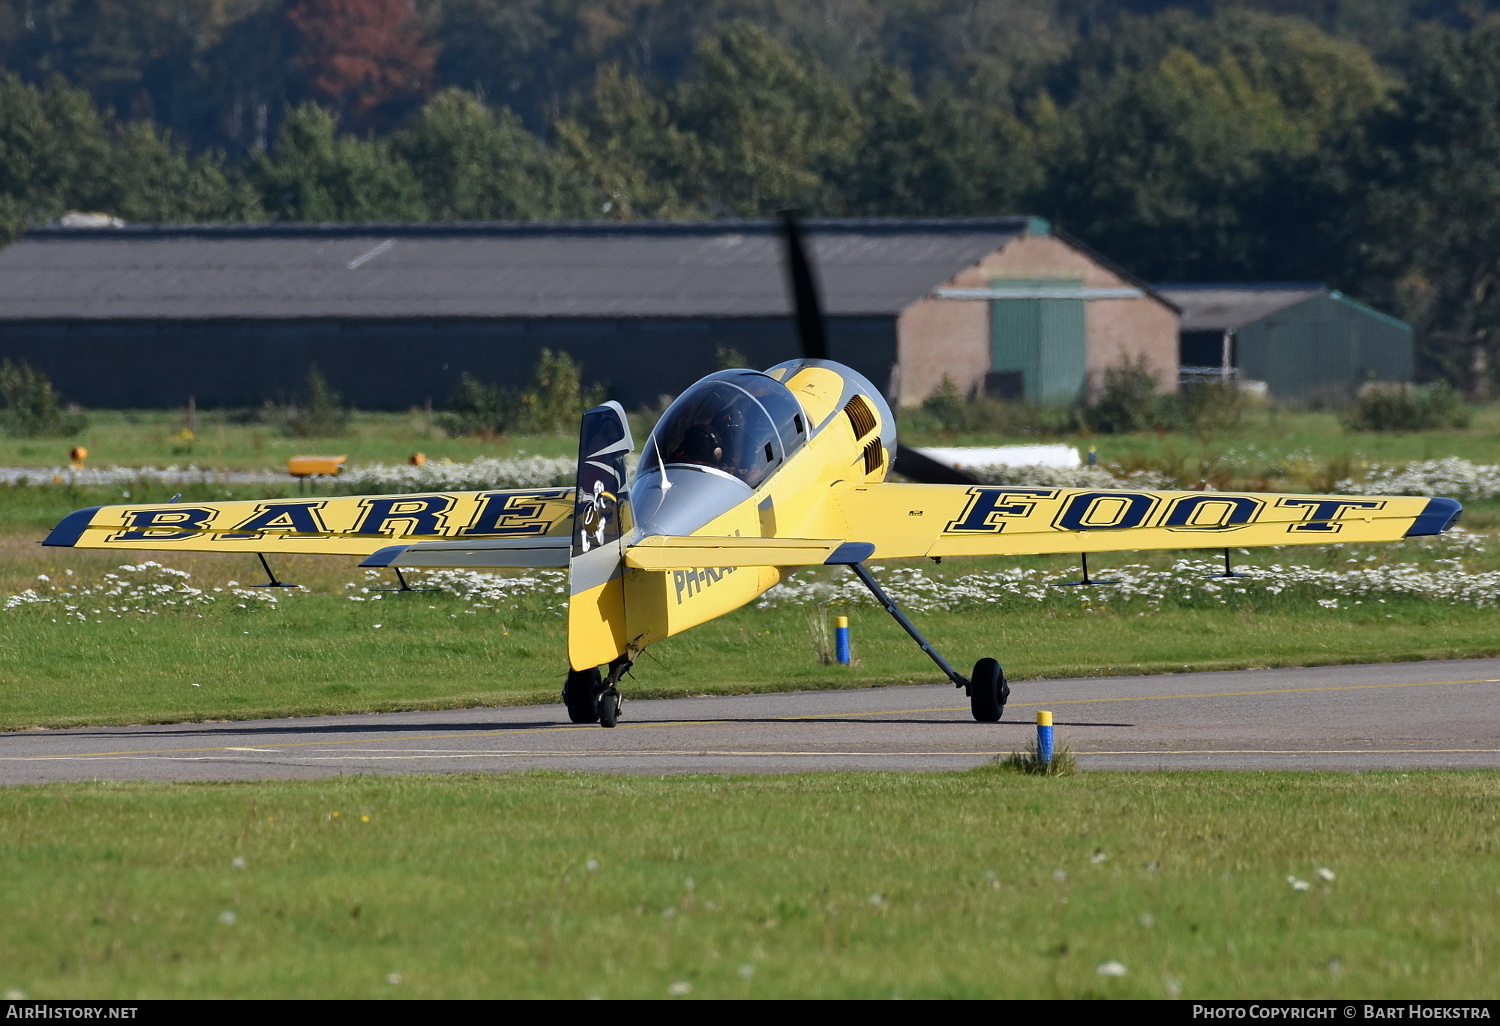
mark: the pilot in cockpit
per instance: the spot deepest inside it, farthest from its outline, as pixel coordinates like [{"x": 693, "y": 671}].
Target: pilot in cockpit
[{"x": 714, "y": 441}]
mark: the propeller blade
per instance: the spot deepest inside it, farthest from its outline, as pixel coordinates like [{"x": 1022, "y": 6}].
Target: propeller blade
[
  {"x": 810, "y": 328},
  {"x": 914, "y": 466}
]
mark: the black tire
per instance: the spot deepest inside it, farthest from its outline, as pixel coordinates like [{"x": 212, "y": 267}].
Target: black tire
[
  {"x": 609, "y": 707},
  {"x": 581, "y": 693},
  {"x": 988, "y": 691}
]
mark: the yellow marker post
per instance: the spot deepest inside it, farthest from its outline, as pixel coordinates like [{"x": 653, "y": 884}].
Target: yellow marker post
[{"x": 1044, "y": 736}]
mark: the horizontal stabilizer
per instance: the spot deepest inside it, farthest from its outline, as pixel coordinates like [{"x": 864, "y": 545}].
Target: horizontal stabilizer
[
  {"x": 666, "y": 552},
  {"x": 481, "y": 554}
]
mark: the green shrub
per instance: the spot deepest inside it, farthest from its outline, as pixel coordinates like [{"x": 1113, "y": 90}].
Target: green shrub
[
  {"x": 1127, "y": 399},
  {"x": 1399, "y": 406},
  {"x": 729, "y": 358},
  {"x": 946, "y": 406},
  {"x": 320, "y": 413},
  {"x": 33, "y": 409},
  {"x": 947, "y": 410},
  {"x": 553, "y": 400},
  {"x": 1203, "y": 407},
  {"x": 476, "y": 409}
]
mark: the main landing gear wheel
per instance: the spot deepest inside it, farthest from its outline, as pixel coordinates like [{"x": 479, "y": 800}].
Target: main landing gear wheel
[
  {"x": 988, "y": 691},
  {"x": 608, "y": 707},
  {"x": 580, "y": 694}
]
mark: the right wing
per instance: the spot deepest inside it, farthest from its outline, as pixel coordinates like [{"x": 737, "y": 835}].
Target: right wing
[
  {"x": 349, "y": 525},
  {"x": 906, "y": 520}
]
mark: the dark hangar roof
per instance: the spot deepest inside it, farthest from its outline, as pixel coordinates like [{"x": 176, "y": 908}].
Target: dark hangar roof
[
  {"x": 586, "y": 269},
  {"x": 1221, "y": 307}
]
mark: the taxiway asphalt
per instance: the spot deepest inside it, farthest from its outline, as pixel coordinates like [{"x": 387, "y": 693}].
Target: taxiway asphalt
[{"x": 1382, "y": 716}]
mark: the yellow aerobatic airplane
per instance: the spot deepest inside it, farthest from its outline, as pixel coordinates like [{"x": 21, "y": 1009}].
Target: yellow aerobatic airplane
[{"x": 748, "y": 476}]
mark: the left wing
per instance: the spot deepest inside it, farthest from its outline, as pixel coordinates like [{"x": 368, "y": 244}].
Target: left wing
[
  {"x": 905, "y": 520},
  {"x": 350, "y": 525}
]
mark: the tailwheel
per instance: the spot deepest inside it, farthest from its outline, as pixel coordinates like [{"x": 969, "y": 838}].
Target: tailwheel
[
  {"x": 608, "y": 708},
  {"x": 580, "y": 693},
  {"x": 988, "y": 691}
]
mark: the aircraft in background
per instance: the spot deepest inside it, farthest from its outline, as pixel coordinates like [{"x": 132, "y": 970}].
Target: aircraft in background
[{"x": 748, "y": 476}]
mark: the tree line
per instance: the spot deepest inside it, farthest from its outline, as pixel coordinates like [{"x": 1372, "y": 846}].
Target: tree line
[{"x": 1188, "y": 142}]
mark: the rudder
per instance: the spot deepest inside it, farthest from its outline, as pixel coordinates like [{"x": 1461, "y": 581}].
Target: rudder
[{"x": 601, "y": 519}]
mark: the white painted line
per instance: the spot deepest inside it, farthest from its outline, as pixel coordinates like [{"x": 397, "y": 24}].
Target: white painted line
[{"x": 360, "y": 260}]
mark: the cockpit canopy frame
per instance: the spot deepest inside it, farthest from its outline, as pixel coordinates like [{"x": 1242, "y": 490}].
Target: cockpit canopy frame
[{"x": 743, "y": 424}]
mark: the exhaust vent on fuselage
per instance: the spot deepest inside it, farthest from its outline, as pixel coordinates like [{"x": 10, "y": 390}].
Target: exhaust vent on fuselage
[
  {"x": 861, "y": 417},
  {"x": 874, "y": 456}
]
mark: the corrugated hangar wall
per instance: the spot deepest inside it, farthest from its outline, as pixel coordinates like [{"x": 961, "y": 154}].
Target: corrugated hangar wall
[
  {"x": 1327, "y": 345},
  {"x": 394, "y": 364}
]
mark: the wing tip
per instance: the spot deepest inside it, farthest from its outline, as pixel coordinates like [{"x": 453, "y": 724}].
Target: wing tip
[
  {"x": 71, "y": 527},
  {"x": 384, "y": 557},
  {"x": 1436, "y": 517},
  {"x": 850, "y": 552}
]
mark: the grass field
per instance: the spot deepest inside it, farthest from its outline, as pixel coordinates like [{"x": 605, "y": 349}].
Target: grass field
[
  {"x": 153, "y": 438},
  {"x": 115, "y": 646},
  {"x": 978, "y": 884},
  {"x": 1266, "y": 438}
]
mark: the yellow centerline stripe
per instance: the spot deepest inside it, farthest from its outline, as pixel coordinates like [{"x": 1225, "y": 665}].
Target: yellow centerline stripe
[
  {"x": 1150, "y": 698},
  {"x": 546, "y": 754},
  {"x": 779, "y": 719}
]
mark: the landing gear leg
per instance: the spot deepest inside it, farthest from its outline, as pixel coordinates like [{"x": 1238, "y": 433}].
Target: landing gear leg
[
  {"x": 608, "y": 707},
  {"x": 987, "y": 691},
  {"x": 608, "y": 703}
]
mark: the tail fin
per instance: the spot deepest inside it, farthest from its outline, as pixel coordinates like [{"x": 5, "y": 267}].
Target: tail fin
[{"x": 596, "y": 604}]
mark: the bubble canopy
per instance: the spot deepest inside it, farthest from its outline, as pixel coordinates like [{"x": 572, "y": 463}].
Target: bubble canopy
[{"x": 739, "y": 423}]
